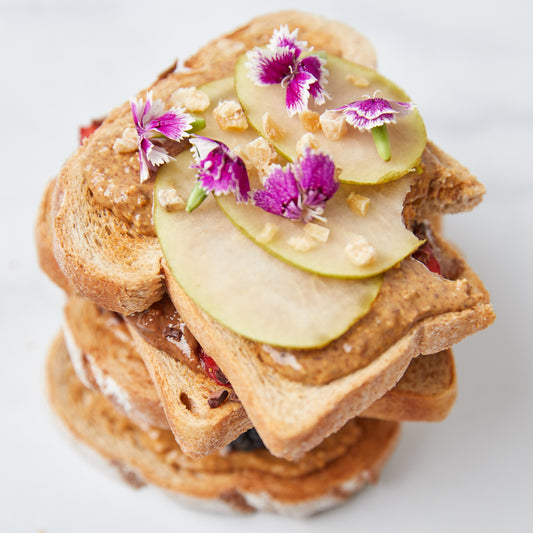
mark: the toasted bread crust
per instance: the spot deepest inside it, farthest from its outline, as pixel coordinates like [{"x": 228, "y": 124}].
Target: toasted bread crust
[
  {"x": 104, "y": 358},
  {"x": 243, "y": 490},
  {"x": 44, "y": 238},
  {"x": 426, "y": 392}
]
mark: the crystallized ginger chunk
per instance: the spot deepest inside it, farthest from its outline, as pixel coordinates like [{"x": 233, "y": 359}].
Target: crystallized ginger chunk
[
  {"x": 358, "y": 204},
  {"x": 333, "y": 125},
  {"x": 308, "y": 140},
  {"x": 191, "y": 99},
  {"x": 302, "y": 243},
  {"x": 127, "y": 142},
  {"x": 310, "y": 120},
  {"x": 170, "y": 200},
  {"x": 358, "y": 81},
  {"x": 268, "y": 233},
  {"x": 273, "y": 130},
  {"x": 320, "y": 233},
  {"x": 230, "y": 116},
  {"x": 260, "y": 153},
  {"x": 360, "y": 252}
]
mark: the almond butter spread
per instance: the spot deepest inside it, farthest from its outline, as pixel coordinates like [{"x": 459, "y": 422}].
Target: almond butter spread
[
  {"x": 162, "y": 327},
  {"x": 409, "y": 294}
]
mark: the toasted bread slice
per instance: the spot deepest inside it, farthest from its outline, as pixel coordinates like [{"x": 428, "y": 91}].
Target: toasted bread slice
[
  {"x": 115, "y": 262},
  {"x": 293, "y": 416},
  {"x": 106, "y": 359},
  {"x": 426, "y": 392},
  {"x": 239, "y": 481}
]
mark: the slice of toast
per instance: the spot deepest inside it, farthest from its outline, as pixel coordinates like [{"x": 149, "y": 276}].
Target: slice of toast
[
  {"x": 240, "y": 481},
  {"x": 293, "y": 416},
  {"x": 108, "y": 358}
]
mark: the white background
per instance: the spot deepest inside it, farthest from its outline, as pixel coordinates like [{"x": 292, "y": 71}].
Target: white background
[{"x": 468, "y": 67}]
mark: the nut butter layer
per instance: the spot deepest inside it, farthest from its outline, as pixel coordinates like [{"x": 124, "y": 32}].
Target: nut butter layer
[{"x": 409, "y": 294}]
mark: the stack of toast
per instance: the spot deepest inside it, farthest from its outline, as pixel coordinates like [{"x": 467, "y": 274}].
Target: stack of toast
[{"x": 171, "y": 396}]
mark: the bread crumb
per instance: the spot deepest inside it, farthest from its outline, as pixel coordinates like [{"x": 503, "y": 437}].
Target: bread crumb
[
  {"x": 268, "y": 233},
  {"x": 170, "y": 200},
  {"x": 230, "y": 116},
  {"x": 191, "y": 99},
  {"x": 360, "y": 252},
  {"x": 347, "y": 347},
  {"x": 272, "y": 129},
  {"x": 310, "y": 120},
  {"x": 333, "y": 124},
  {"x": 302, "y": 243},
  {"x": 358, "y": 81},
  {"x": 320, "y": 233},
  {"x": 127, "y": 142},
  {"x": 308, "y": 140},
  {"x": 358, "y": 204}
]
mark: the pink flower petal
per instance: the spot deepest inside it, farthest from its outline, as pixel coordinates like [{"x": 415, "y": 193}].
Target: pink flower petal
[
  {"x": 297, "y": 96},
  {"x": 282, "y": 38},
  {"x": 220, "y": 170},
  {"x": 300, "y": 190},
  {"x": 373, "y": 112},
  {"x": 281, "y": 195},
  {"x": 281, "y": 62}
]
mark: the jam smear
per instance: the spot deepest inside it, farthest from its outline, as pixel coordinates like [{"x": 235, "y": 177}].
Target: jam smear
[
  {"x": 425, "y": 254},
  {"x": 87, "y": 131},
  {"x": 213, "y": 370}
]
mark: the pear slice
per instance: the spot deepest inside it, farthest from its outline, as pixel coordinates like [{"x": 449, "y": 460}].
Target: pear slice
[
  {"x": 382, "y": 228},
  {"x": 355, "y": 152},
  {"x": 244, "y": 287}
]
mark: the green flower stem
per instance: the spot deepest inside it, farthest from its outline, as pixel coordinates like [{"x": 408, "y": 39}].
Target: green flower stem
[
  {"x": 197, "y": 124},
  {"x": 197, "y": 196},
  {"x": 381, "y": 138}
]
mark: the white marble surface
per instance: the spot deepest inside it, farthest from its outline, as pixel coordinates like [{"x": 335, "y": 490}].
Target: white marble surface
[{"x": 466, "y": 64}]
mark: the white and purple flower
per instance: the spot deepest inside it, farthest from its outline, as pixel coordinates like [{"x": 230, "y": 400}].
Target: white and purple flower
[
  {"x": 300, "y": 190},
  {"x": 220, "y": 171},
  {"x": 152, "y": 122},
  {"x": 286, "y": 61},
  {"x": 373, "y": 114}
]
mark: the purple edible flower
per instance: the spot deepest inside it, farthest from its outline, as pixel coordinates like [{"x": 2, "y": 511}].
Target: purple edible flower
[
  {"x": 373, "y": 112},
  {"x": 152, "y": 122},
  {"x": 220, "y": 172},
  {"x": 300, "y": 190},
  {"x": 282, "y": 62}
]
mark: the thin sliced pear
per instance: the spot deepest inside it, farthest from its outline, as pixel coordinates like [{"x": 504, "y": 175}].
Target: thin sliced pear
[
  {"x": 244, "y": 287},
  {"x": 382, "y": 227},
  {"x": 355, "y": 153}
]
